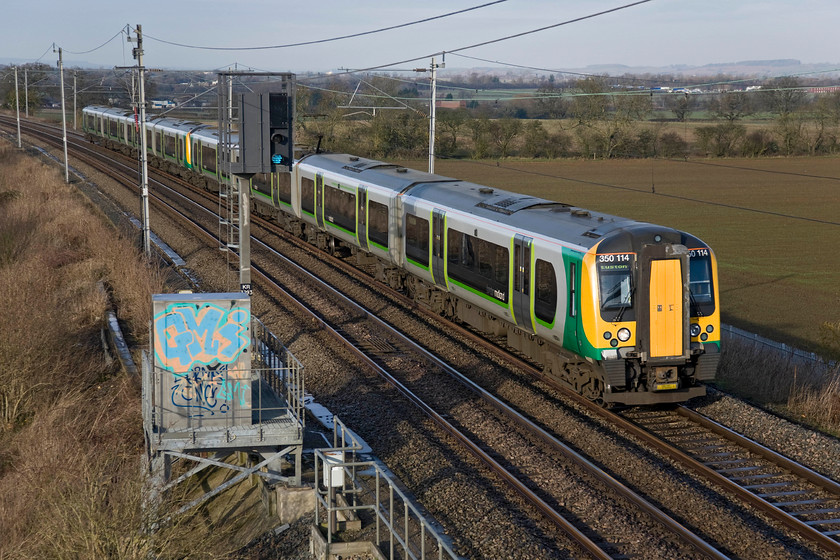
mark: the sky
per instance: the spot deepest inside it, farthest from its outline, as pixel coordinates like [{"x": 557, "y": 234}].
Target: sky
[{"x": 657, "y": 33}]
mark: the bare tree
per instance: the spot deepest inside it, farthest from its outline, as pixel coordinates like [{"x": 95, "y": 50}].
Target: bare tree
[
  {"x": 731, "y": 106},
  {"x": 503, "y": 131},
  {"x": 450, "y": 122},
  {"x": 607, "y": 120},
  {"x": 479, "y": 130},
  {"x": 549, "y": 102},
  {"x": 784, "y": 96},
  {"x": 681, "y": 104}
]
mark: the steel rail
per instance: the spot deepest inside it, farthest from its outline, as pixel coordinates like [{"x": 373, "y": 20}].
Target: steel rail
[{"x": 716, "y": 478}]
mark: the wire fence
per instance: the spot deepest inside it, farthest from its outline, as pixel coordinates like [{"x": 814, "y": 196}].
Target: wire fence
[{"x": 780, "y": 346}]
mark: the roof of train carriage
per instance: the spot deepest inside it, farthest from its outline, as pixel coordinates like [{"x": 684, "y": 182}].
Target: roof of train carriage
[
  {"x": 100, "y": 109},
  {"x": 210, "y": 135},
  {"x": 372, "y": 172},
  {"x": 179, "y": 125},
  {"x": 525, "y": 213},
  {"x": 117, "y": 111}
]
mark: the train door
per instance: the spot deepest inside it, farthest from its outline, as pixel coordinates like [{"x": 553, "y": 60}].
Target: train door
[
  {"x": 666, "y": 308},
  {"x": 361, "y": 218},
  {"x": 664, "y": 312},
  {"x": 319, "y": 199},
  {"x": 522, "y": 281},
  {"x": 438, "y": 224}
]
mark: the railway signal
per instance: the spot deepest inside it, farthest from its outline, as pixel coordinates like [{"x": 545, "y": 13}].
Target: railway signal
[{"x": 266, "y": 142}]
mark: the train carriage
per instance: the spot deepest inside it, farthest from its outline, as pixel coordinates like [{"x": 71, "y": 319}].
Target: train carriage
[
  {"x": 173, "y": 143},
  {"x": 204, "y": 155},
  {"x": 560, "y": 282},
  {"x": 113, "y": 125},
  {"x": 621, "y": 311},
  {"x": 356, "y": 200}
]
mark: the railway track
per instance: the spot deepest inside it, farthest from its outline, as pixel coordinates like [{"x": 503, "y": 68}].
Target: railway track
[
  {"x": 380, "y": 350},
  {"x": 793, "y": 494}
]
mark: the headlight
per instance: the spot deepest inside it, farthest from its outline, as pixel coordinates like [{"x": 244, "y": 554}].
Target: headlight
[
  {"x": 710, "y": 329},
  {"x": 613, "y": 343},
  {"x": 623, "y": 335},
  {"x": 695, "y": 329},
  {"x": 607, "y": 335}
]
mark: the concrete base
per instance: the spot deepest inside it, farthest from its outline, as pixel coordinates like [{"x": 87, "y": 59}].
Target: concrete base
[
  {"x": 347, "y": 518},
  {"x": 294, "y": 503},
  {"x": 320, "y": 550}
]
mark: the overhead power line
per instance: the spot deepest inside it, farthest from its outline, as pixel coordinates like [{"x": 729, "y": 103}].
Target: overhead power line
[
  {"x": 120, "y": 32},
  {"x": 50, "y": 48},
  {"x": 492, "y": 41},
  {"x": 318, "y": 41}
]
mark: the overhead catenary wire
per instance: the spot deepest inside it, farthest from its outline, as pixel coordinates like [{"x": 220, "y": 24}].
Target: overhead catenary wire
[
  {"x": 117, "y": 34},
  {"x": 493, "y": 41},
  {"x": 319, "y": 41}
]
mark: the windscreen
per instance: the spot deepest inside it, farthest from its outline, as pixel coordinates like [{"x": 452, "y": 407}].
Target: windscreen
[
  {"x": 700, "y": 282},
  {"x": 615, "y": 282}
]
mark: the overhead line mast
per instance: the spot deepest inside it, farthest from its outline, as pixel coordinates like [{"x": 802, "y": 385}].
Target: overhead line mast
[
  {"x": 137, "y": 52},
  {"x": 432, "y": 103}
]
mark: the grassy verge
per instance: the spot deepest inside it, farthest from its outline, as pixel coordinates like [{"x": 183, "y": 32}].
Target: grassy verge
[
  {"x": 803, "y": 390},
  {"x": 70, "y": 424}
]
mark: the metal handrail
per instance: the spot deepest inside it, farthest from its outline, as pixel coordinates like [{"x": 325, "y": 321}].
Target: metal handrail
[{"x": 385, "y": 513}]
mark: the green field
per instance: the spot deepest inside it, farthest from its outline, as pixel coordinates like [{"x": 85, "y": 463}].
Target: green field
[{"x": 774, "y": 224}]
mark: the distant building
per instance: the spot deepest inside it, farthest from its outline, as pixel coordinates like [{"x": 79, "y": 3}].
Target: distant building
[
  {"x": 162, "y": 104},
  {"x": 824, "y": 89},
  {"x": 451, "y": 104}
]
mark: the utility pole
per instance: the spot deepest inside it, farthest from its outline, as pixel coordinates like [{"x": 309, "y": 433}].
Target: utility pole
[
  {"x": 26, "y": 90},
  {"x": 144, "y": 181},
  {"x": 434, "y": 68},
  {"x": 63, "y": 114},
  {"x": 432, "y": 101},
  {"x": 74, "y": 101},
  {"x": 17, "y": 105}
]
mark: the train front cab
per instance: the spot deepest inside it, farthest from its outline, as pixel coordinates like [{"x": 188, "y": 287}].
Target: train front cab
[{"x": 651, "y": 317}]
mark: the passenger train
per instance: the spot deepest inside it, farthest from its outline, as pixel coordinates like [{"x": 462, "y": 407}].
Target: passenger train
[{"x": 623, "y": 312}]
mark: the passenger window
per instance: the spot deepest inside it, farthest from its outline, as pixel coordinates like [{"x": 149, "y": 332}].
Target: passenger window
[
  {"x": 307, "y": 195},
  {"x": 208, "y": 159},
  {"x": 284, "y": 186},
  {"x": 479, "y": 264},
  {"x": 545, "y": 284},
  {"x": 417, "y": 239},
  {"x": 378, "y": 223},
  {"x": 340, "y": 207},
  {"x": 262, "y": 183}
]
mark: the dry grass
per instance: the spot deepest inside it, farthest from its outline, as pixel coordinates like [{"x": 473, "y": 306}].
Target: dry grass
[
  {"x": 70, "y": 425},
  {"x": 818, "y": 404}
]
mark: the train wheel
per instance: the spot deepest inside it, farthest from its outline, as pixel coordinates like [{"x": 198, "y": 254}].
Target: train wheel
[{"x": 585, "y": 382}]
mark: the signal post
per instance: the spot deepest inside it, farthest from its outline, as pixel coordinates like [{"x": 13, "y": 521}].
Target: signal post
[{"x": 266, "y": 145}]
